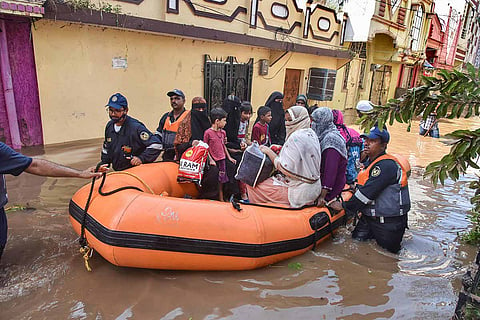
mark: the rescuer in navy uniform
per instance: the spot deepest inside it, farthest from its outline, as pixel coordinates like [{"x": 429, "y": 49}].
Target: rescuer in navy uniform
[
  {"x": 128, "y": 142},
  {"x": 382, "y": 196}
]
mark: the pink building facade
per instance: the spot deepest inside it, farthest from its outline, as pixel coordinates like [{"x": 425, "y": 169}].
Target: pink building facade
[{"x": 442, "y": 42}]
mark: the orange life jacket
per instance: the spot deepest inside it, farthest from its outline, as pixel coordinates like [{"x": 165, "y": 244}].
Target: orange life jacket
[
  {"x": 170, "y": 130},
  {"x": 365, "y": 173},
  {"x": 173, "y": 126}
]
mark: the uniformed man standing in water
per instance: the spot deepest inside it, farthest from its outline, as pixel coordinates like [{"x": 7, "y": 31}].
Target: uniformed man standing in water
[
  {"x": 382, "y": 199},
  {"x": 128, "y": 142}
]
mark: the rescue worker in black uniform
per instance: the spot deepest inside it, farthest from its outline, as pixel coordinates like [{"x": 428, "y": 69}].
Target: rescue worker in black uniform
[
  {"x": 128, "y": 142},
  {"x": 381, "y": 199}
]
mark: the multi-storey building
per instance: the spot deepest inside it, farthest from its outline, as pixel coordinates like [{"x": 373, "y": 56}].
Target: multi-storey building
[
  {"x": 468, "y": 50},
  {"x": 388, "y": 38},
  {"x": 442, "y": 50}
]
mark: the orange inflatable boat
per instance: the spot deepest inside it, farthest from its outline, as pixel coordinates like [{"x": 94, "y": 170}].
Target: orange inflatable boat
[{"x": 160, "y": 227}]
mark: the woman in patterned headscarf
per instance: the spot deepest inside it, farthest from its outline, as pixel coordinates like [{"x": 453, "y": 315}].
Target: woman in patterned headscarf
[
  {"x": 299, "y": 162},
  {"x": 334, "y": 155}
]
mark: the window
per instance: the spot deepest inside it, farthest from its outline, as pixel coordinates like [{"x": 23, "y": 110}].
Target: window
[
  {"x": 406, "y": 77},
  {"x": 395, "y": 5},
  {"x": 359, "y": 48},
  {"x": 468, "y": 22},
  {"x": 416, "y": 28},
  {"x": 321, "y": 84},
  {"x": 345, "y": 76}
]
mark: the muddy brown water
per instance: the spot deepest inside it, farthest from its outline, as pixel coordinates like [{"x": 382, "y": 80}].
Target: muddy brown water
[{"x": 42, "y": 274}]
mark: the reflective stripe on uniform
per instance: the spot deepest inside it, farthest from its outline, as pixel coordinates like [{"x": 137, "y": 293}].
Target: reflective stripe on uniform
[
  {"x": 360, "y": 196},
  {"x": 104, "y": 151},
  {"x": 157, "y": 146}
]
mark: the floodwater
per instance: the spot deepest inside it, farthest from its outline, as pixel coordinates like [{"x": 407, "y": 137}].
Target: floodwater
[{"x": 42, "y": 275}]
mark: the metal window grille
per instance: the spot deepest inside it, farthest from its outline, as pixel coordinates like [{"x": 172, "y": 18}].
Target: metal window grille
[
  {"x": 416, "y": 27},
  {"x": 359, "y": 48},
  {"x": 222, "y": 78},
  {"x": 321, "y": 84}
]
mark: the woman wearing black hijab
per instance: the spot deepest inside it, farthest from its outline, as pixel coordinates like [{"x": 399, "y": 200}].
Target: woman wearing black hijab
[
  {"x": 231, "y": 105},
  {"x": 192, "y": 127},
  {"x": 277, "y": 125}
]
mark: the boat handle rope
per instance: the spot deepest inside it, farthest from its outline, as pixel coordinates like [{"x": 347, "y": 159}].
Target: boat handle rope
[
  {"x": 123, "y": 188},
  {"x": 315, "y": 234},
  {"x": 85, "y": 248},
  {"x": 236, "y": 204}
]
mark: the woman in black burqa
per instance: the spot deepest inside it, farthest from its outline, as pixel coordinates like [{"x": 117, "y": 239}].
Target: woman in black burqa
[
  {"x": 232, "y": 106},
  {"x": 277, "y": 125}
]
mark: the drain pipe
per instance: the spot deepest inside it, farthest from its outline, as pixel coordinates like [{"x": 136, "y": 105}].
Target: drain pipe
[{"x": 8, "y": 89}]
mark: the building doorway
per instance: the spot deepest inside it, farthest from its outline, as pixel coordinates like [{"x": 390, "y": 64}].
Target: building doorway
[
  {"x": 291, "y": 87},
  {"x": 380, "y": 84}
]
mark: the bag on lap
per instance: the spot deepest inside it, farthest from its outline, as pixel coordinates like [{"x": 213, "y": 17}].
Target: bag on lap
[
  {"x": 255, "y": 166},
  {"x": 192, "y": 163}
]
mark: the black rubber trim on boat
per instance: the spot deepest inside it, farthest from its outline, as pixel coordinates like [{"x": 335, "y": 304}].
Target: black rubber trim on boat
[{"x": 189, "y": 245}]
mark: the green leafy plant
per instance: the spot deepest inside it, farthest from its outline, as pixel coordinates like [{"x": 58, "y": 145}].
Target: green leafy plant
[
  {"x": 81, "y": 4},
  {"x": 102, "y": 6},
  {"x": 471, "y": 312},
  {"x": 295, "y": 266}
]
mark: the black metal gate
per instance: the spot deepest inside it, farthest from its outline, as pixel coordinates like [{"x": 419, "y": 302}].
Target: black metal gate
[{"x": 223, "y": 78}]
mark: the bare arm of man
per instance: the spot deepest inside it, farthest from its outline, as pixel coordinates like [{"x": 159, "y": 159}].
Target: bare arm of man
[{"x": 41, "y": 167}]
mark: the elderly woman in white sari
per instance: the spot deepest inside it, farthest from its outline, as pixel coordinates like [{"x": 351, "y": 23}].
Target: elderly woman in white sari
[{"x": 299, "y": 162}]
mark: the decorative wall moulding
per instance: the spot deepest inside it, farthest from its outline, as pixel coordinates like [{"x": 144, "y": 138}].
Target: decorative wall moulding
[{"x": 23, "y": 8}]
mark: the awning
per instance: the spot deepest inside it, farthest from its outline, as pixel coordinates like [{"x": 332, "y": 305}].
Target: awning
[
  {"x": 427, "y": 65},
  {"x": 32, "y": 8}
]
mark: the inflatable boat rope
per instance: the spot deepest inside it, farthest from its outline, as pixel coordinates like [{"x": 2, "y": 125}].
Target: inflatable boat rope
[{"x": 85, "y": 249}]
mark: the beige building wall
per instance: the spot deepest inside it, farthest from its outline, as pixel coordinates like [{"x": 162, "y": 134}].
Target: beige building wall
[{"x": 76, "y": 77}]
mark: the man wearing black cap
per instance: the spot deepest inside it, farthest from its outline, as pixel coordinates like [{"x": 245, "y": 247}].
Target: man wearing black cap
[
  {"x": 128, "y": 142},
  {"x": 169, "y": 122},
  {"x": 382, "y": 199}
]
